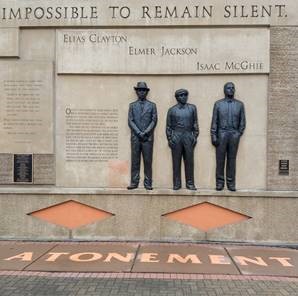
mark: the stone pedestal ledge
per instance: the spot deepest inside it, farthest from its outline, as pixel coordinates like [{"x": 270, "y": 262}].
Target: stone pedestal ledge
[{"x": 158, "y": 191}]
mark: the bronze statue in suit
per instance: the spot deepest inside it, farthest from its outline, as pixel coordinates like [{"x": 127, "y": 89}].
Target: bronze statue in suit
[
  {"x": 182, "y": 132},
  {"x": 228, "y": 124},
  {"x": 142, "y": 119}
]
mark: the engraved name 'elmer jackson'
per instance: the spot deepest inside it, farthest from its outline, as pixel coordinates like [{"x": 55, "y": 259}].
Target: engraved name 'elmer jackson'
[{"x": 163, "y": 51}]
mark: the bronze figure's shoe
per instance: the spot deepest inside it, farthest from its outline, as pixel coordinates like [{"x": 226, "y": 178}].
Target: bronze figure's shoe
[
  {"x": 148, "y": 187},
  {"x": 176, "y": 187},
  {"x": 191, "y": 187},
  {"x": 219, "y": 187},
  {"x": 232, "y": 188},
  {"x": 132, "y": 186}
]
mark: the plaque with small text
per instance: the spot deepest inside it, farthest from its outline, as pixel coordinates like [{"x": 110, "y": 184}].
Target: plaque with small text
[
  {"x": 22, "y": 164},
  {"x": 284, "y": 167}
]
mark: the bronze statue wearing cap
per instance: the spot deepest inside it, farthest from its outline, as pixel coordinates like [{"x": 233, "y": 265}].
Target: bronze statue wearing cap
[
  {"x": 142, "y": 119},
  {"x": 182, "y": 132}
]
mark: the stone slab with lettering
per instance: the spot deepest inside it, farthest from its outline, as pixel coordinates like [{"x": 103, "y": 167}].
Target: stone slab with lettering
[
  {"x": 26, "y": 98},
  {"x": 6, "y": 168},
  {"x": 93, "y": 143},
  {"x": 9, "y": 42},
  {"x": 163, "y": 51},
  {"x": 44, "y": 169},
  {"x": 147, "y": 13}
]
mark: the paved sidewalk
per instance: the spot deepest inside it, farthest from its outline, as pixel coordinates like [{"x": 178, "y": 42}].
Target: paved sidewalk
[{"x": 99, "y": 285}]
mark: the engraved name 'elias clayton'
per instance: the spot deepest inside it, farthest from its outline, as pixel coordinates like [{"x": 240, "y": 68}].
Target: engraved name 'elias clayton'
[
  {"x": 163, "y": 51},
  {"x": 106, "y": 39}
]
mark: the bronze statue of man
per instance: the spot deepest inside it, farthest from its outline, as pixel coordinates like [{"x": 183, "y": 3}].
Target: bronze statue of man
[
  {"x": 182, "y": 132},
  {"x": 142, "y": 119},
  {"x": 228, "y": 124}
]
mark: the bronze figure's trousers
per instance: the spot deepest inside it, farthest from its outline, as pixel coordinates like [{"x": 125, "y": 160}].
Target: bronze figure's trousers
[
  {"x": 146, "y": 149},
  {"x": 227, "y": 148},
  {"x": 185, "y": 149}
]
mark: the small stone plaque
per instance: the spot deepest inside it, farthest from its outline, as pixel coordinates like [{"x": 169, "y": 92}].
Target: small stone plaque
[
  {"x": 284, "y": 167},
  {"x": 22, "y": 164}
]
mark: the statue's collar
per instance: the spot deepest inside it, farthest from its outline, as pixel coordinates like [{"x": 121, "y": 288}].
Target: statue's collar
[{"x": 229, "y": 100}]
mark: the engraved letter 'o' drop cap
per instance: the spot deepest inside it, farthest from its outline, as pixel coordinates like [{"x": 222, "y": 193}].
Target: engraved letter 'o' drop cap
[{"x": 141, "y": 85}]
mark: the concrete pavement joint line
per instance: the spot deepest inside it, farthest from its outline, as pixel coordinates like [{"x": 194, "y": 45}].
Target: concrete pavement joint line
[
  {"x": 135, "y": 257},
  {"x": 49, "y": 250},
  {"x": 163, "y": 276},
  {"x": 232, "y": 259}
]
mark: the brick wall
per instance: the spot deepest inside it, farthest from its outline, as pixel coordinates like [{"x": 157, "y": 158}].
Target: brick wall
[{"x": 283, "y": 108}]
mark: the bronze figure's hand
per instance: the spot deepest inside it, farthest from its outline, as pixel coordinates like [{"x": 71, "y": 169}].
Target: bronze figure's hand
[
  {"x": 215, "y": 142},
  {"x": 171, "y": 144},
  {"x": 141, "y": 135},
  {"x": 194, "y": 142}
]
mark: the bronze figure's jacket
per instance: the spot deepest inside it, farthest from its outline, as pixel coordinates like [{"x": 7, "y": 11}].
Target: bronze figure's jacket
[
  {"x": 178, "y": 122},
  {"x": 142, "y": 120},
  {"x": 221, "y": 116}
]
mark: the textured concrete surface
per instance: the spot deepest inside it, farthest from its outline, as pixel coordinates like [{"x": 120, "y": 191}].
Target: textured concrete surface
[{"x": 131, "y": 210}]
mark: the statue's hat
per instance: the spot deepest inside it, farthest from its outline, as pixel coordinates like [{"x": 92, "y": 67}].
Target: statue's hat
[
  {"x": 141, "y": 85},
  {"x": 180, "y": 91}
]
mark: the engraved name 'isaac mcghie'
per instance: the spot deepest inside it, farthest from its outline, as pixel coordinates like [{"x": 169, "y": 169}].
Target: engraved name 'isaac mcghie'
[
  {"x": 230, "y": 65},
  {"x": 163, "y": 51}
]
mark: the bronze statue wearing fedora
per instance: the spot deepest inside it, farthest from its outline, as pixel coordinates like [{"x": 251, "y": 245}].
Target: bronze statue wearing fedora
[{"x": 142, "y": 119}]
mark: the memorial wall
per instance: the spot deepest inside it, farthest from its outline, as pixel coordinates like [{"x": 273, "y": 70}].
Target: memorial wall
[{"x": 68, "y": 73}]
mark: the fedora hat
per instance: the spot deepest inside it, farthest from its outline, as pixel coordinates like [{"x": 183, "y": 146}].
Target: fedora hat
[{"x": 141, "y": 85}]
